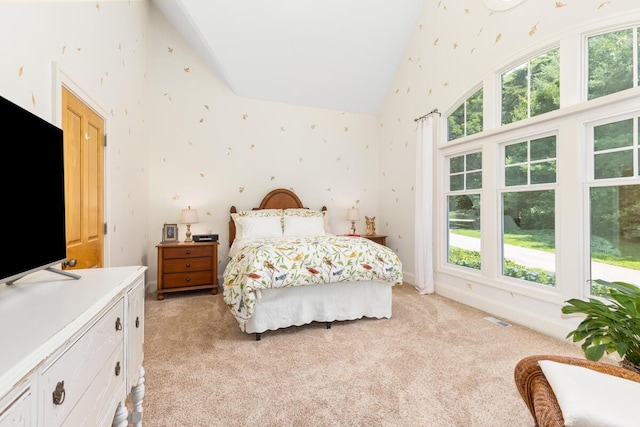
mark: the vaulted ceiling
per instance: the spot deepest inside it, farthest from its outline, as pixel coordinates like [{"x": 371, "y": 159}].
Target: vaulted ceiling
[{"x": 336, "y": 54}]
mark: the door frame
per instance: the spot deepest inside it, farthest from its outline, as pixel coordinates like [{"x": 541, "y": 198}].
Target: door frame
[{"x": 59, "y": 79}]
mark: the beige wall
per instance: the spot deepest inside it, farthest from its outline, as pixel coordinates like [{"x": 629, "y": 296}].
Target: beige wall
[
  {"x": 100, "y": 49},
  {"x": 212, "y": 149}
]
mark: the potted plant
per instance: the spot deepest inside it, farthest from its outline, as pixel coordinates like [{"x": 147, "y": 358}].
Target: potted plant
[{"x": 611, "y": 325}]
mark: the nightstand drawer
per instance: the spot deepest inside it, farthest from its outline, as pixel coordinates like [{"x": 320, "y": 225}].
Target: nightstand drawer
[
  {"x": 381, "y": 240},
  {"x": 184, "y": 265},
  {"x": 179, "y": 280},
  {"x": 188, "y": 252}
]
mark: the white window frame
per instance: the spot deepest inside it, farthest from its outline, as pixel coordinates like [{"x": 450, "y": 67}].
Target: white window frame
[{"x": 502, "y": 188}]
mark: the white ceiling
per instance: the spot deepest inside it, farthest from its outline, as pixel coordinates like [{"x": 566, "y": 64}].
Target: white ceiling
[{"x": 337, "y": 54}]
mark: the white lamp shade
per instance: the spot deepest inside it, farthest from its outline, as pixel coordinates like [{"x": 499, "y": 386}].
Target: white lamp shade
[
  {"x": 189, "y": 216},
  {"x": 353, "y": 214}
]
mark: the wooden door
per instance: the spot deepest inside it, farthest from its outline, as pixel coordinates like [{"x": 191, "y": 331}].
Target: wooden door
[{"x": 83, "y": 167}]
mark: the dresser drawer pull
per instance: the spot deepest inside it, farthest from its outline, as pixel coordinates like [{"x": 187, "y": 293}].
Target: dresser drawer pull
[
  {"x": 117, "y": 368},
  {"x": 59, "y": 394},
  {"x": 137, "y": 322},
  {"x": 188, "y": 265},
  {"x": 188, "y": 251},
  {"x": 118, "y": 324},
  {"x": 188, "y": 279}
]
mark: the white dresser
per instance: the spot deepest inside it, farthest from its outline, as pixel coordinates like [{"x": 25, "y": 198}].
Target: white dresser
[{"x": 71, "y": 351}]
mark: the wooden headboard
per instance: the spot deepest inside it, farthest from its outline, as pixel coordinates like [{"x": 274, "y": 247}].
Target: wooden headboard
[{"x": 280, "y": 198}]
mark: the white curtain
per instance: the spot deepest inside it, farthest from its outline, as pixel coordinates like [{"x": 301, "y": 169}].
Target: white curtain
[{"x": 427, "y": 128}]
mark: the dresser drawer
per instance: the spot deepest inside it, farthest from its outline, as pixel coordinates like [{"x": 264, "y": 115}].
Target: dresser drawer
[
  {"x": 17, "y": 408},
  {"x": 188, "y": 252},
  {"x": 80, "y": 363},
  {"x": 184, "y": 265},
  {"x": 98, "y": 404},
  {"x": 179, "y": 280}
]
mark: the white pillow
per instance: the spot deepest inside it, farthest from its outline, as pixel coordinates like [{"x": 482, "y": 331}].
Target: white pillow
[
  {"x": 253, "y": 214},
  {"x": 590, "y": 398},
  {"x": 259, "y": 227},
  {"x": 296, "y": 226}
]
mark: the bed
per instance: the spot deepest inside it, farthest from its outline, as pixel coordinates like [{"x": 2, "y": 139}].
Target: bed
[{"x": 287, "y": 269}]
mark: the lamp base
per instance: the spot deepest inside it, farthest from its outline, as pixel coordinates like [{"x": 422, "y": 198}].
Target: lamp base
[
  {"x": 188, "y": 234},
  {"x": 353, "y": 227}
]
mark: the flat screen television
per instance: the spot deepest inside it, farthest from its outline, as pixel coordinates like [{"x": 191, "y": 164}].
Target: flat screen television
[{"x": 32, "y": 197}]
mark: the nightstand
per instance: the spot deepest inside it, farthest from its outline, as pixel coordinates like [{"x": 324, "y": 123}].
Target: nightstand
[
  {"x": 187, "y": 266},
  {"x": 382, "y": 240}
]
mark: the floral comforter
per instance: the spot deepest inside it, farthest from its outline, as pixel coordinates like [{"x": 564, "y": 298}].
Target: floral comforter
[{"x": 278, "y": 263}]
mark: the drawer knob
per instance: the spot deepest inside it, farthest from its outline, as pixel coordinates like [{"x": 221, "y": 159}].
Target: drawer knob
[
  {"x": 117, "y": 368},
  {"x": 59, "y": 394},
  {"x": 118, "y": 324},
  {"x": 188, "y": 264},
  {"x": 188, "y": 251},
  {"x": 137, "y": 322},
  {"x": 188, "y": 279}
]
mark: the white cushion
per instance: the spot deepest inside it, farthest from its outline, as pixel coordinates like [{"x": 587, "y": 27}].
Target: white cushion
[
  {"x": 259, "y": 227},
  {"x": 590, "y": 398},
  {"x": 253, "y": 214},
  {"x": 296, "y": 226}
]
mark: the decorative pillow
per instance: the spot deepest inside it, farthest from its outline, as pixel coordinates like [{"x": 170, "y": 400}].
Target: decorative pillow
[
  {"x": 301, "y": 212},
  {"x": 259, "y": 227},
  {"x": 297, "y": 226},
  {"x": 590, "y": 398},
  {"x": 253, "y": 214}
]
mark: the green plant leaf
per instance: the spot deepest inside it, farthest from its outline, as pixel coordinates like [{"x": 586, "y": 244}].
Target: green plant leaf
[
  {"x": 611, "y": 323},
  {"x": 595, "y": 352}
]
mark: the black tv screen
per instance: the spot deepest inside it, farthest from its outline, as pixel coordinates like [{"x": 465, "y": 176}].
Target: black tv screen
[{"x": 32, "y": 179}]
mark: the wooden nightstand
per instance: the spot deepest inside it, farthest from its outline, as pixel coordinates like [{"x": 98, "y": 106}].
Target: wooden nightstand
[
  {"x": 377, "y": 238},
  {"x": 187, "y": 266}
]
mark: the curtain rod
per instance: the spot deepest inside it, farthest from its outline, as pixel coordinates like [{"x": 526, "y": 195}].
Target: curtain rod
[{"x": 434, "y": 111}]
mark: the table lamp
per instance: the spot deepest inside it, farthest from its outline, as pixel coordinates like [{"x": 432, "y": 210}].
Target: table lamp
[
  {"x": 189, "y": 216},
  {"x": 353, "y": 215}
]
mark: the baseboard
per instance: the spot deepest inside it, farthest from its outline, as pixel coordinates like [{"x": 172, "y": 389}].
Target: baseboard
[{"x": 512, "y": 314}]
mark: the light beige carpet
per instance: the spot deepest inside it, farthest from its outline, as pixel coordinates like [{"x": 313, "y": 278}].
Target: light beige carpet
[{"x": 434, "y": 363}]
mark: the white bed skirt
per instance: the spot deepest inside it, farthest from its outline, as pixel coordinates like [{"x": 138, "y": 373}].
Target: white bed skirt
[{"x": 300, "y": 305}]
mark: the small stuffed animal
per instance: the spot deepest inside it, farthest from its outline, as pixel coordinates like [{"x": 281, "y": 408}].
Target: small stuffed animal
[{"x": 371, "y": 225}]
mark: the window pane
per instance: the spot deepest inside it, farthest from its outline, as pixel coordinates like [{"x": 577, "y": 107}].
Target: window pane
[
  {"x": 456, "y": 164},
  {"x": 474, "y": 161},
  {"x": 464, "y": 230},
  {"x": 474, "y": 180},
  {"x": 610, "y": 63},
  {"x": 515, "y": 153},
  {"x": 613, "y": 165},
  {"x": 613, "y": 135},
  {"x": 456, "y": 123},
  {"x": 528, "y": 236},
  {"x": 515, "y": 92},
  {"x": 467, "y": 118},
  {"x": 615, "y": 234},
  {"x": 545, "y": 83},
  {"x": 456, "y": 182},
  {"x": 543, "y": 148},
  {"x": 515, "y": 175},
  {"x": 543, "y": 172},
  {"x": 474, "y": 113}
]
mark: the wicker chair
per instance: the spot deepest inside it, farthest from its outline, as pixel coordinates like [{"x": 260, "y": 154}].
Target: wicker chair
[{"x": 537, "y": 393}]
